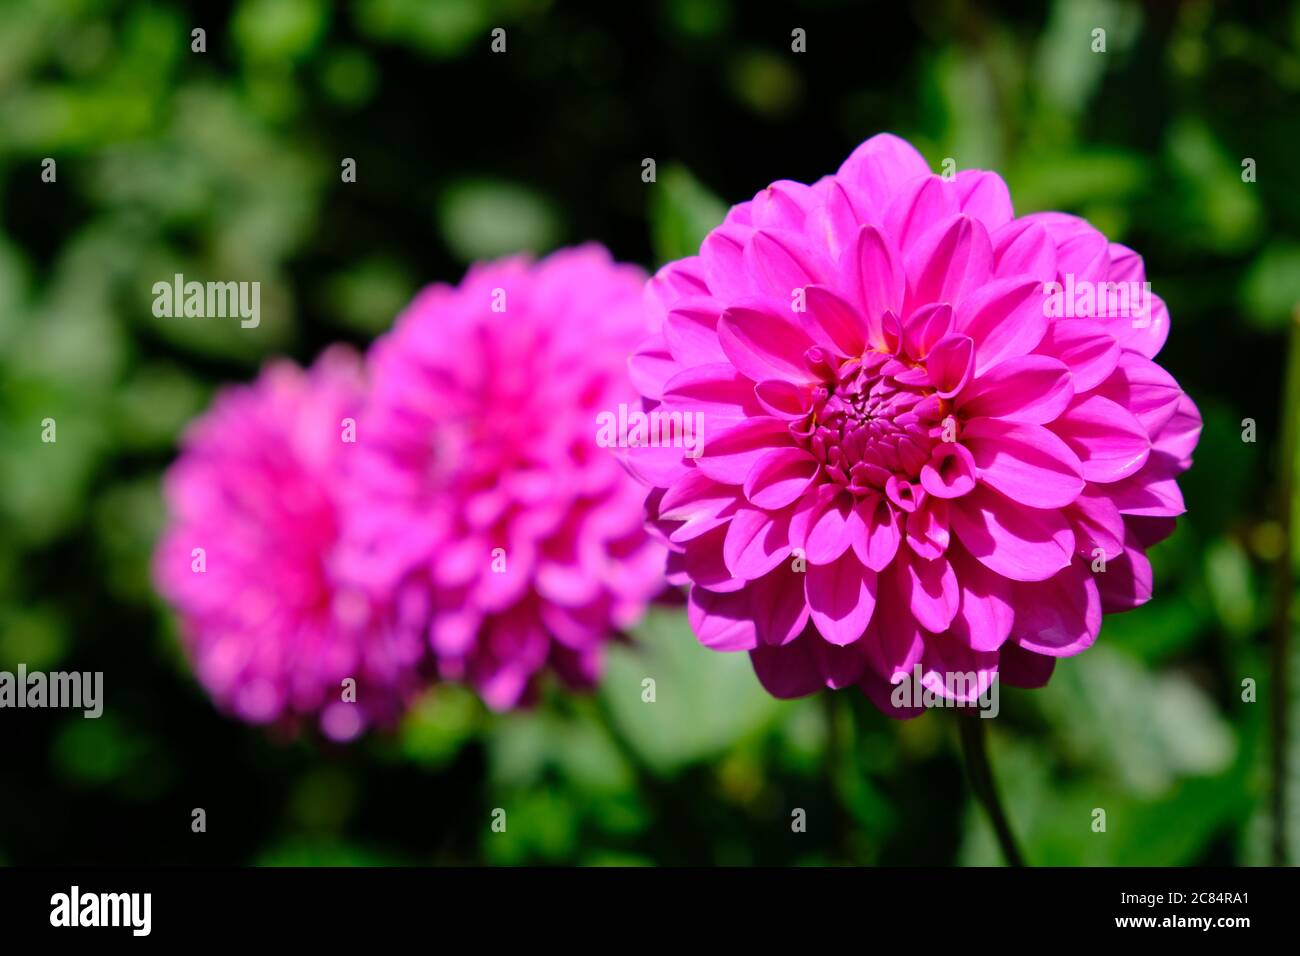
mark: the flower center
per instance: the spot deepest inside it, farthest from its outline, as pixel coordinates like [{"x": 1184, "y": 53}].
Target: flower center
[{"x": 878, "y": 418}]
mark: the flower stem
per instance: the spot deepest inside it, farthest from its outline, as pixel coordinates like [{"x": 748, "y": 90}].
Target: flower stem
[
  {"x": 1283, "y": 585},
  {"x": 975, "y": 752},
  {"x": 839, "y": 730}
]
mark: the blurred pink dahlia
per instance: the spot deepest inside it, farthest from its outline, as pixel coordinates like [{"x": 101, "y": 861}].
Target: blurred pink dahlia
[
  {"x": 935, "y": 441},
  {"x": 250, "y": 562},
  {"x": 480, "y": 478}
]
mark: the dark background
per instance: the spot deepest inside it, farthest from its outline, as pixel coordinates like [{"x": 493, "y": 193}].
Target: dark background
[{"x": 226, "y": 164}]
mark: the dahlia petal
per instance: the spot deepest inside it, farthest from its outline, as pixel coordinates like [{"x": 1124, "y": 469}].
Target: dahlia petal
[
  {"x": 675, "y": 281},
  {"x": 580, "y": 669},
  {"x": 454, "y": 631},
  {"x": 776, "y": 602},
  {"x": 894, "y": 641},
  {"x": 779, "y": 477},
  {"x": 1027, "y": 463},
  {"x": 882, "y": 693},
  {"x": 1179, "y": 436},
  {"x": 950, "y": 472},
  {"x": 502, "y": 685},
  {"x": 723, "y": 256},
  {"x": 985, "y": 613},
  {"x": 890, "y": 332},
  {"x": 1033, "y": 389},
  {"x": 566, "y": 583},
  {"x": 841, "y": 596},
  {"x": 721, "y": 622},
  {"x": 651, "y": 365},
  {"x": 819, "y": 524},
  {"x": 839, "y": 217},
  {"x": 927, "y": 528},
  {"x": 924, "y": 329},
  {"x": 903, "y": 493},
  {"x": 499, "y": 590},
  {"x": 1085, "y": 347},
  {"x": 833, "y": 321},
  {"x": 917, "y": 206},
  {"x": 705, "y": 563},
  {"x": 1023, "y": 544},
  {"x": 1024, "y": 249},
  {"x": 985, "y": 196},
  {"x": 948, "y": 261},
  {"x": 783, "y": 399},
  {"x": 877, "y": 541},
  {"x": 756, "y": 542},
  {"x": 788, "y": 671},
  {"x": 576, "y": 626},
  {"x": 728, "y": 457},
  {"x": 1097, "y": 523},
  {"x": 781, "y": 261},
  {"x": 1084, "y": 254},
  {"x": 880, "y": 166},
  {"x": 1144, "y": 332},
  {"x": 695, "y": 494},
  {"x": 1152, "y": 491},
  {"x": 717, "y": 391},
  {"x": 783, "y": 205},
  {"x": 838, "y": 666},
  {"x": 877, "y": 279},
  {"x": 1125, "y": 264},
  {"x": 930, "y": 590},
  {"x": 460, "y": 562},
  {"x": 1110, "y": 442},
  {"x": 699, "y": 503},
  {"x": 1127, "y": 581},
  {"x": 763, "y": 344},
  {"x": 954, "y": 671},
  {"x": 1018, "y": 667},
  {"x": 690, "y": 330},
  {"x": 1148, "y": 532},
  {"x": 517, "y": 646},
  {"x": 1004, "y": 318},
  {"x": 1059, "y": 617},
  {"x": 1145, "y": 389},
  {"x": 654, "y": 465},
  {"x": 950, "y": 364}
]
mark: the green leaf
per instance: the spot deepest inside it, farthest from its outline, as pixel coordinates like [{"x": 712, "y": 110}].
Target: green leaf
[
  {"x": 1271, "y": 289},
  {"x": 438, "y": 724},
  {"x": 682, "y": 212},
  {"x": 704, "y": 702},
  {"x": 486, "y": 219},
  {"x": 1148, "y": 728}
]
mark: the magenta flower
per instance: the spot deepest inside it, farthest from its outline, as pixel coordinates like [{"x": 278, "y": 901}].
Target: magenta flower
[
  {"x": 249, "y": 558},
  {"x": 935, "y": 441},
  {"x": 480, "y": 480}
]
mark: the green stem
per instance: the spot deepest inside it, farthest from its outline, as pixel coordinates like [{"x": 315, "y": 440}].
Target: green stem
[
  {"x": 839, "y": 729},
  {"x": 1283, "y": 588},
  {"x": 975, "y": 752}
]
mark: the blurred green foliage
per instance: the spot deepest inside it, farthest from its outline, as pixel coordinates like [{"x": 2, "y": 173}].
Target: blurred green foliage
[{"x": 227, "y": 164}]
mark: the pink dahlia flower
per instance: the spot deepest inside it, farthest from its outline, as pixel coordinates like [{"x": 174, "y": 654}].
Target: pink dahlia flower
[
  {"x": 926, "y": 450},
  {"x": 481, "y": 480},
  {"x": 250, "y": 558}
]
